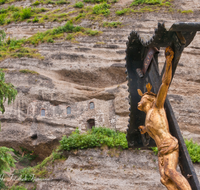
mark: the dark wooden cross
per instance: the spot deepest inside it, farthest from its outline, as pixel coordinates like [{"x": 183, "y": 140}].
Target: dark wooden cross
[{"x": 142, "y": 67}]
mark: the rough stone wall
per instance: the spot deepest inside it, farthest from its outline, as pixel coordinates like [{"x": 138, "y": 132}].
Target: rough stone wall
[
  {"x": 98, "y": 169},
  {"x": 103, "y": 113},
  {"x": 91, "y": 70}
]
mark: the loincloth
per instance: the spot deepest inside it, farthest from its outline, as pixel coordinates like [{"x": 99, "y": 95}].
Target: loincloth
[{"x": 168, "y": 146}]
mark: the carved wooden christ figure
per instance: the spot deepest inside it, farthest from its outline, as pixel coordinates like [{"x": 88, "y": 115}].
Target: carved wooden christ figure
[{"x": 156, "y": 125}]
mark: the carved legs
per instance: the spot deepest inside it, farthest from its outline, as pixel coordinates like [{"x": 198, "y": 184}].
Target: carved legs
[{"x": 172, "y": 179}]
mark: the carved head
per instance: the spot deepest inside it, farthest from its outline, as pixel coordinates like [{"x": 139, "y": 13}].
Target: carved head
[{"x": 147, "y": 99}]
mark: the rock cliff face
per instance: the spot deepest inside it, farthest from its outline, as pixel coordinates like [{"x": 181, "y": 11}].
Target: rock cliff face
[
  {"x": 88, "y": 80},
  {"x": 104, "y": 169}
]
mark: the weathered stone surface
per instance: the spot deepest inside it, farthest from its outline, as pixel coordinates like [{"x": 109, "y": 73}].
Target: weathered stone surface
[
  {"x": 105, "y": 169},
  {"x": 74, "y": 74}
]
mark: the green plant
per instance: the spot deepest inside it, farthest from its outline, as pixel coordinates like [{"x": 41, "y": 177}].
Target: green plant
[
  {"x": 2, "y": 36},
  {"x": 187, "y": 11},
  {"x": 150, "y": 2},
  {"x": 36, "y": 3},
  {"x": 123, "y": 11},
  {"x": 79, "y": 4},
  {"x": 16, "y": 15},
  {"x": 2, "y": 19},
  {"x": 52, "y": 34},
  {"x": 70, "y": 37},
  {"x": 96, "y": 137},
  {"x": 25, "y": 174},
  {"x": 94, "y": 1},
  {"x": 8, "y": 21},
  {"x": 27, "y": 156},
  {"x": 194, "y": 150},
  {"x": 102, "y": 8},
  {"x": 6, "y": 160},
  {"x": 7, "y": 92},
  {"x": 2, "y": 2},
  {"x": 111, "y": 24},
  {"x": 50, "y": 40},
  {"x": 25, "y": 13},
  {"x": 18, "y": 188},
  {"x": 91, "y": 32},
  {"x": 155, "y": 150},
  {"x": 50, "y": 2},
  {"x": 168, "y": 3},
  {"x": 35, "y": 19},
  {"x": 26, "y": 71},
  {"x": 62, "y": 2},
  {"x": 81, "y": 15}
]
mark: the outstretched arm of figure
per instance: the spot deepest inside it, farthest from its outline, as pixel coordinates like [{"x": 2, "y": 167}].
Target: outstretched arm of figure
[{"x": 166, "y": 79}]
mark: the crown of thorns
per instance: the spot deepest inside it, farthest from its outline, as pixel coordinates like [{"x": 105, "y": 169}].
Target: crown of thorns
[{"x": 149, "y": 87}]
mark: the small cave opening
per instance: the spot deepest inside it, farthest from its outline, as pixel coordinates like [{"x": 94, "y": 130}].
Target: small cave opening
[
  {"x": 34, "y": 136},
  {"x": 90, "y": 123}
]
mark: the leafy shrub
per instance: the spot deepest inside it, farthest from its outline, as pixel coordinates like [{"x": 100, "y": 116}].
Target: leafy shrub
[
  {"x": 111, "y": 24},
  {"x": 150, "y": 2},
  {"x": 123, "y": 11},
  {"x": 194, "y": 150},
  {"x": 16, "y": 15},
  {"x": 96, "y": 137},
  {"x": 36, "y": 3},
  {"x": 102, "y": 8},
  {"x": 25, "y": 13},
  {"x": 6, "y": 160},
  {"x": 35, "y": 19},
  {"x": 79, "y": 4}
]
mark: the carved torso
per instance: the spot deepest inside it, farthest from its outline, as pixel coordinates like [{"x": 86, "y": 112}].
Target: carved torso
[{"x": 157, "y": 125}]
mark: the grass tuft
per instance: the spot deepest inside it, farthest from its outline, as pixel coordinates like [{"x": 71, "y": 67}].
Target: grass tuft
[
  {"x": 111, "y": 24},
  {"x": 102, "y": 8},
  {"x": 149, "y": 2},
  {"x": 122, "y": 12},
  {"x": 79, "y": 4},
  {"x": 27, "y": 71}
]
